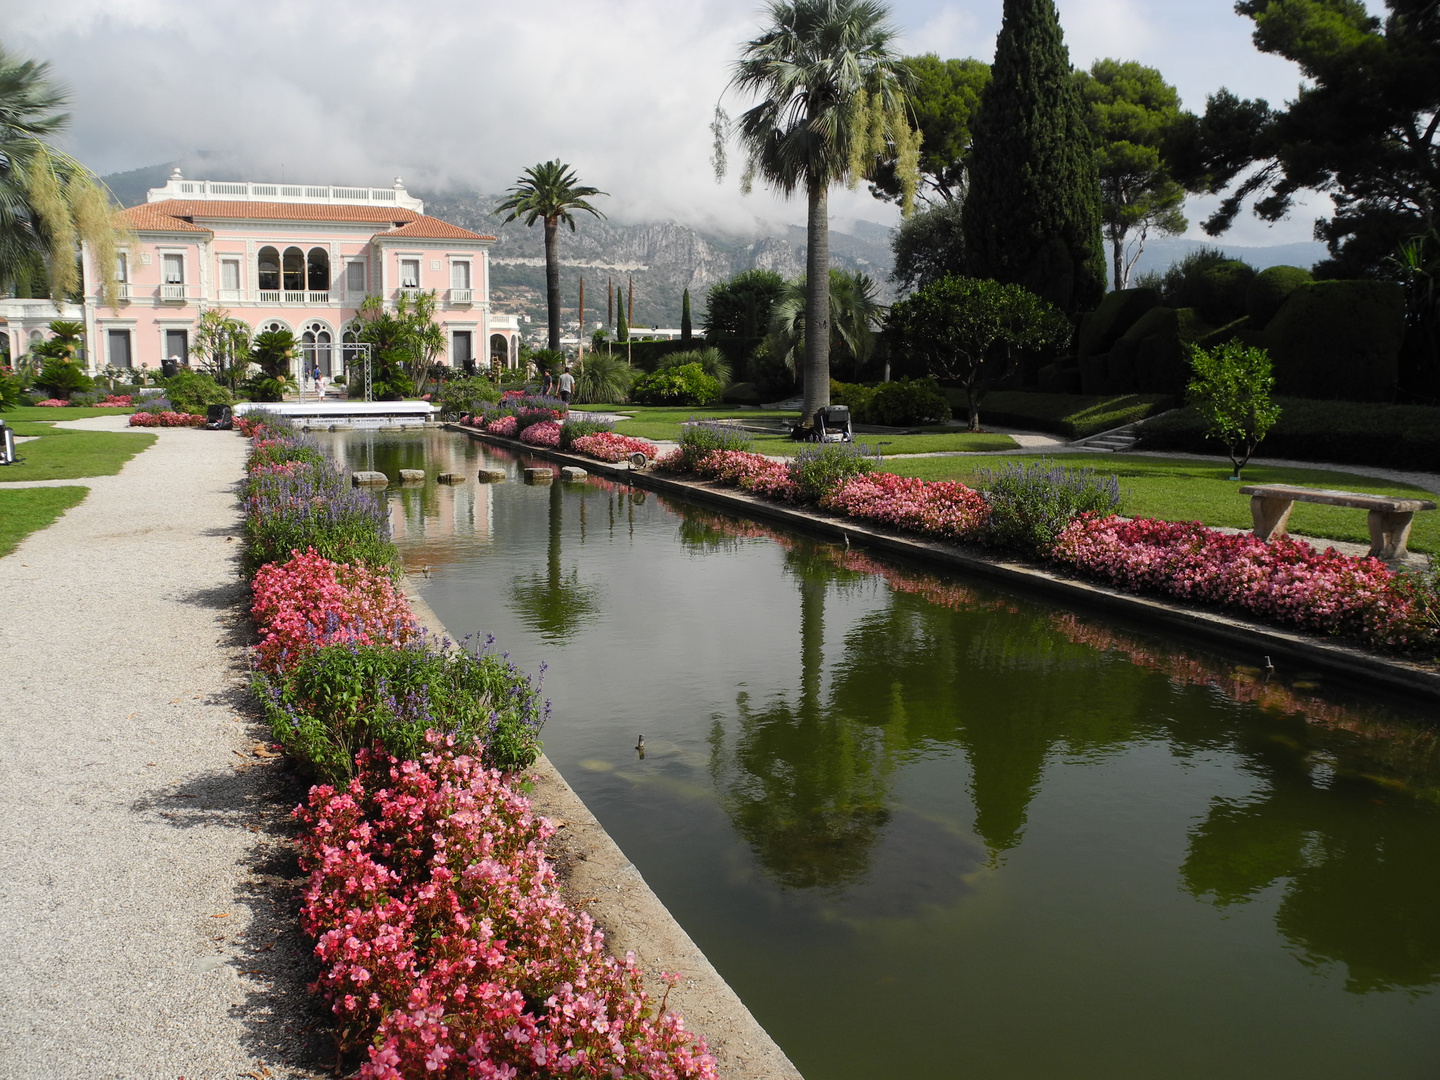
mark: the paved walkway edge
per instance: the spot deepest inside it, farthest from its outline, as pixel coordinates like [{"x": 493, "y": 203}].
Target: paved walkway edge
[
  {"x": 1226, "y": 631},
  {"x": 598, "y": 878}
]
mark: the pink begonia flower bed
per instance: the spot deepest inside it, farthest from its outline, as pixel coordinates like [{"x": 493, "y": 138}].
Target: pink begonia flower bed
[
  {"x": 1284, "y": 581},
  {"x": 166, "y": 418},
  {"x": 116, "y": 401},
  {"x": 446, "y": 947},
  {"x": 934, "y": 507},
  {"x": 310, "y": 602},
  {"x": 52, "y": 403},
  {"x": 609, "y": 446},
  {"x": 545, "y": 433},
  {"x": 504, "y": 427}
]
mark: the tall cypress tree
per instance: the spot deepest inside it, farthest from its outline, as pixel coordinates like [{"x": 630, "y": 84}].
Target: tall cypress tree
[
  {"x": 1032, "y": 212},
  {"x": 685, "y": 326}
]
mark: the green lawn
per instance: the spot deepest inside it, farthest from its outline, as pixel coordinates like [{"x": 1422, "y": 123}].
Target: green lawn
[
  {"x": 1176, "y": 489},
  {"x": 70, "y": 412},
  {"x": 27, "y": 510},
  {"x": 61, "y": 454},
  {"x": 663, "y": 423},
  {"x": 1072, "y": 415}
]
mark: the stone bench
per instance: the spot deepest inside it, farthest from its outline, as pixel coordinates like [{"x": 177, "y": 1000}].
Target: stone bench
[{"x": 1389, "y": 518}]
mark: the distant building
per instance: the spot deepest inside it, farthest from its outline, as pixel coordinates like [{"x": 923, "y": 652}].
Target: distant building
[{"x": 289, "y": 256}]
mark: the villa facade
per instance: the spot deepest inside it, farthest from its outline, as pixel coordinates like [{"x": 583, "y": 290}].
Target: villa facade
[{"x": 294, "y": 257}]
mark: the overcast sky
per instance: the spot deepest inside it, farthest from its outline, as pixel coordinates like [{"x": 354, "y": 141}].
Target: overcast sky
[{"x": 468, "y": 92}]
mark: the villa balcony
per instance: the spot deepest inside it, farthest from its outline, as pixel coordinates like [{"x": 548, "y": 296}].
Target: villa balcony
[
  {"x": 173, "y": 294},
  {"x": 122, "y": 292},
  {"x": 304, "y": 297},
  {"x": 462, "y": 296}
]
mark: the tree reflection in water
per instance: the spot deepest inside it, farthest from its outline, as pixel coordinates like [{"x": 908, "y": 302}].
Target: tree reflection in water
[{"x": 555, "y": 604}]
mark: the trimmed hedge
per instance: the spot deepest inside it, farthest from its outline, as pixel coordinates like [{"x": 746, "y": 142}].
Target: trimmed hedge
[
  {"x": 1218, "y": 291},
  {"x": 1117, "y": 313},
  {"x": 1073, "y": 415},
  {"x": 1339, "y": 340},
  {"x": 1341, "y": 433},
  {"x": 1271, "y": 288}
]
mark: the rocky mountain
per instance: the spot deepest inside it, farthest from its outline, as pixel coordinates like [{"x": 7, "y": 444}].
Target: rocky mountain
[{"x": 662, "y": 258}]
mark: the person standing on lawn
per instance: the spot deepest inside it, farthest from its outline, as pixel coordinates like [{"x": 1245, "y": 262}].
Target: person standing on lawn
[{"x": 566, "y": 384}]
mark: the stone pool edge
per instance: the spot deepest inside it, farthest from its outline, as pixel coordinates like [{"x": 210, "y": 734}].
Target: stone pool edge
[
  {"x": 596, "y": 877},
  {"x": 1348, "y": 661}
]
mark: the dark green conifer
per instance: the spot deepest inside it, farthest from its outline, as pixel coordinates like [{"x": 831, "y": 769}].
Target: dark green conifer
[
  {"x": 1032, "y": 213},
  {"x": 686, "y": 332}
]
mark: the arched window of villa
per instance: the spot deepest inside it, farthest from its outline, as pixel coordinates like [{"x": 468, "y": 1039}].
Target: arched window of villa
[
  {"x": 316, "y": 340},
  {"x": 317, "y": 265},
  {"x": 267, "y": 262},
  {"x": 294, "y": 269},
  {"x": 499, "y": 351}
]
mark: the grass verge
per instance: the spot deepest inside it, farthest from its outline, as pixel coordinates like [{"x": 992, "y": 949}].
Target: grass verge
[
  {"x": 27, "y": 510},
  {"x": 67, "y": 455},
  {"x": 70, "y": 412},
  {"x": 1175, "y": 489}
]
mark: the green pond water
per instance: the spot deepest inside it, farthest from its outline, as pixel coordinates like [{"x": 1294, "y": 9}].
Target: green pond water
[{"x": 929, "y": 828}]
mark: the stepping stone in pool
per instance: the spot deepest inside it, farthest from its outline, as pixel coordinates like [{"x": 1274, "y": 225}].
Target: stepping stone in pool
[
  {"x": 539, "y": 476},
  {"x": 573, "y": 472},
  {"x": 492, "y": 476},
  {"x": 369, "y": 479},
  {"x": 450, "y": 478},
  {"x": 412, "y": 476},
  {"x": 342, "y": 427}
]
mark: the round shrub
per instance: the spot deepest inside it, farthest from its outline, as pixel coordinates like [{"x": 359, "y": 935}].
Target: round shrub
[
  {"x": 1218, "y": 291},
  {"x": 908, "y": 402},
  {"x": 1269, "y": 289},
  {"x": 684, "y": 385},
  {"x": 192, "y": 391}
]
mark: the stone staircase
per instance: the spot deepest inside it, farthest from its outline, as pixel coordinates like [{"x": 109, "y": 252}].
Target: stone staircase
[{"x": 1116, "y": 440}]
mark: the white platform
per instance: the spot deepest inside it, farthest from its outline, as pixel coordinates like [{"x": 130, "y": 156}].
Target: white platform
[{"x": 334, "y": 411}]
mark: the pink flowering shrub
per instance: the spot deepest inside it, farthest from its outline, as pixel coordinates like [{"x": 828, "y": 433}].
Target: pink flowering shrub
[
  {"x": 504, "y": 427},
  {"x": 445, "y": 944},
  {"x": 309, "y": 602},
  {"x": 167, "y": 418},
  {"x": 545, "y": 433},
  {"x": 608, "y": 446},
  {"x": 53, "y": 403},
  {"x": 118, "y": 401},
  {"x": 934, "y": 507},
  {"x": 1285, "y": 581}
]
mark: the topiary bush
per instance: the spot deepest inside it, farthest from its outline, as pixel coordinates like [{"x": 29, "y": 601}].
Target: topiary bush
[
  {"x": 908, "y": 403},
  {"x": 1269, "y": 289},
  {"x": 856, "y": 397},
  {"x": 1117, "y": 313},
  {"x": 684, "y": 385},
  {"x": 1217, "y": 291},
  {"x": 191, "y": 391},
  {"x": 1339, "y": 340}
]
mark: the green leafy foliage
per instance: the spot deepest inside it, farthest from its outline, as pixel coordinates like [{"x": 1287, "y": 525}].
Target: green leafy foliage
[
  {"x": 737, "y": 314},
  {"x": 191, "y": 391},
  {"x": 1218, "y": 290},
  {"x": 1032, "y": 213},
  {"x": 1339, "y": 339},
  {"x": 459, "y": 396},
  {"x": 711, "y": 360},
  {"x": 341, "y": 699},
  {"x": 1269, "y": 289},
  {"x": 684, "y": 385},
  {"x": 603, "y": 377},
  {"x": 817, "y": 470},
  {"x": 702, "y": 437},
  {"x": 970, "y": 331},
  {"x": 577, "y": 426},
  {"x": 929, "y": 244},
  {"x": 61, "y": 378},
  {"x": 1231, "y": 392},
  {"x": 906, "y": 403},
  {"x": 1133, "y": 115},
  {"x": 944, "y": 95}
]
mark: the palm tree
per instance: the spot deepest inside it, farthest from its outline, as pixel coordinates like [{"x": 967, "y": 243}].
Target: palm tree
[
  {"x": 832, "y": 107},
  {"x": 855, "y": 314},
  {"x": 48, "y": 200},
  {"x": 548, "y": 192}
]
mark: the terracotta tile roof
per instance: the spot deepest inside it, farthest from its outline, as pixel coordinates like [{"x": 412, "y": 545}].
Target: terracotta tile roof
[
  {"x": 242, "y": 210},
  {"x": 149, "y": 217},
  {"x": 169, "y": 215},
  {"x": 429, "y": 228}
]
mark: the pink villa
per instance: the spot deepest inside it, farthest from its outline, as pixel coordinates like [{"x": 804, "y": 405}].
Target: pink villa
[{"x": 295, "y": 257}]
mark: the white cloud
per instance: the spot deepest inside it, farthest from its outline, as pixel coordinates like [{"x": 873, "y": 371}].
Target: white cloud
[{"x": 455, "y": 93}]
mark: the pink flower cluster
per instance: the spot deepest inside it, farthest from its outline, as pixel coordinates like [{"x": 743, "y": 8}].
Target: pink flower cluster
[
  {"x": 118, "y": 401},
  {"x": 545, "y": 433},
  {"x": 52, "y": 403},
  {"x": 504, "y": 427},
  {"x": 309, "y": 602},
  {"x": 167, "y": 418},
  {"x": 248, "y": 425},
  {"x": 445, "y": 944},
  {"x": 935, "y": 507},
  {"x": 513, "y": 395},
  {"x": 608, "y": 446},
  {"x": 754, "y": 473},
  {"x": 1285, "y": 581}
]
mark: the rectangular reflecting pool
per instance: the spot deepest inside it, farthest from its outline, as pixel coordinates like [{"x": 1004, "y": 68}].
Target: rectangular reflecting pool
[{"x": 928, "y": 828}]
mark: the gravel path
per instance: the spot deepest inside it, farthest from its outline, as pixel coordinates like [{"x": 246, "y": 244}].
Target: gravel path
[{"x": 147, "y": 888}]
